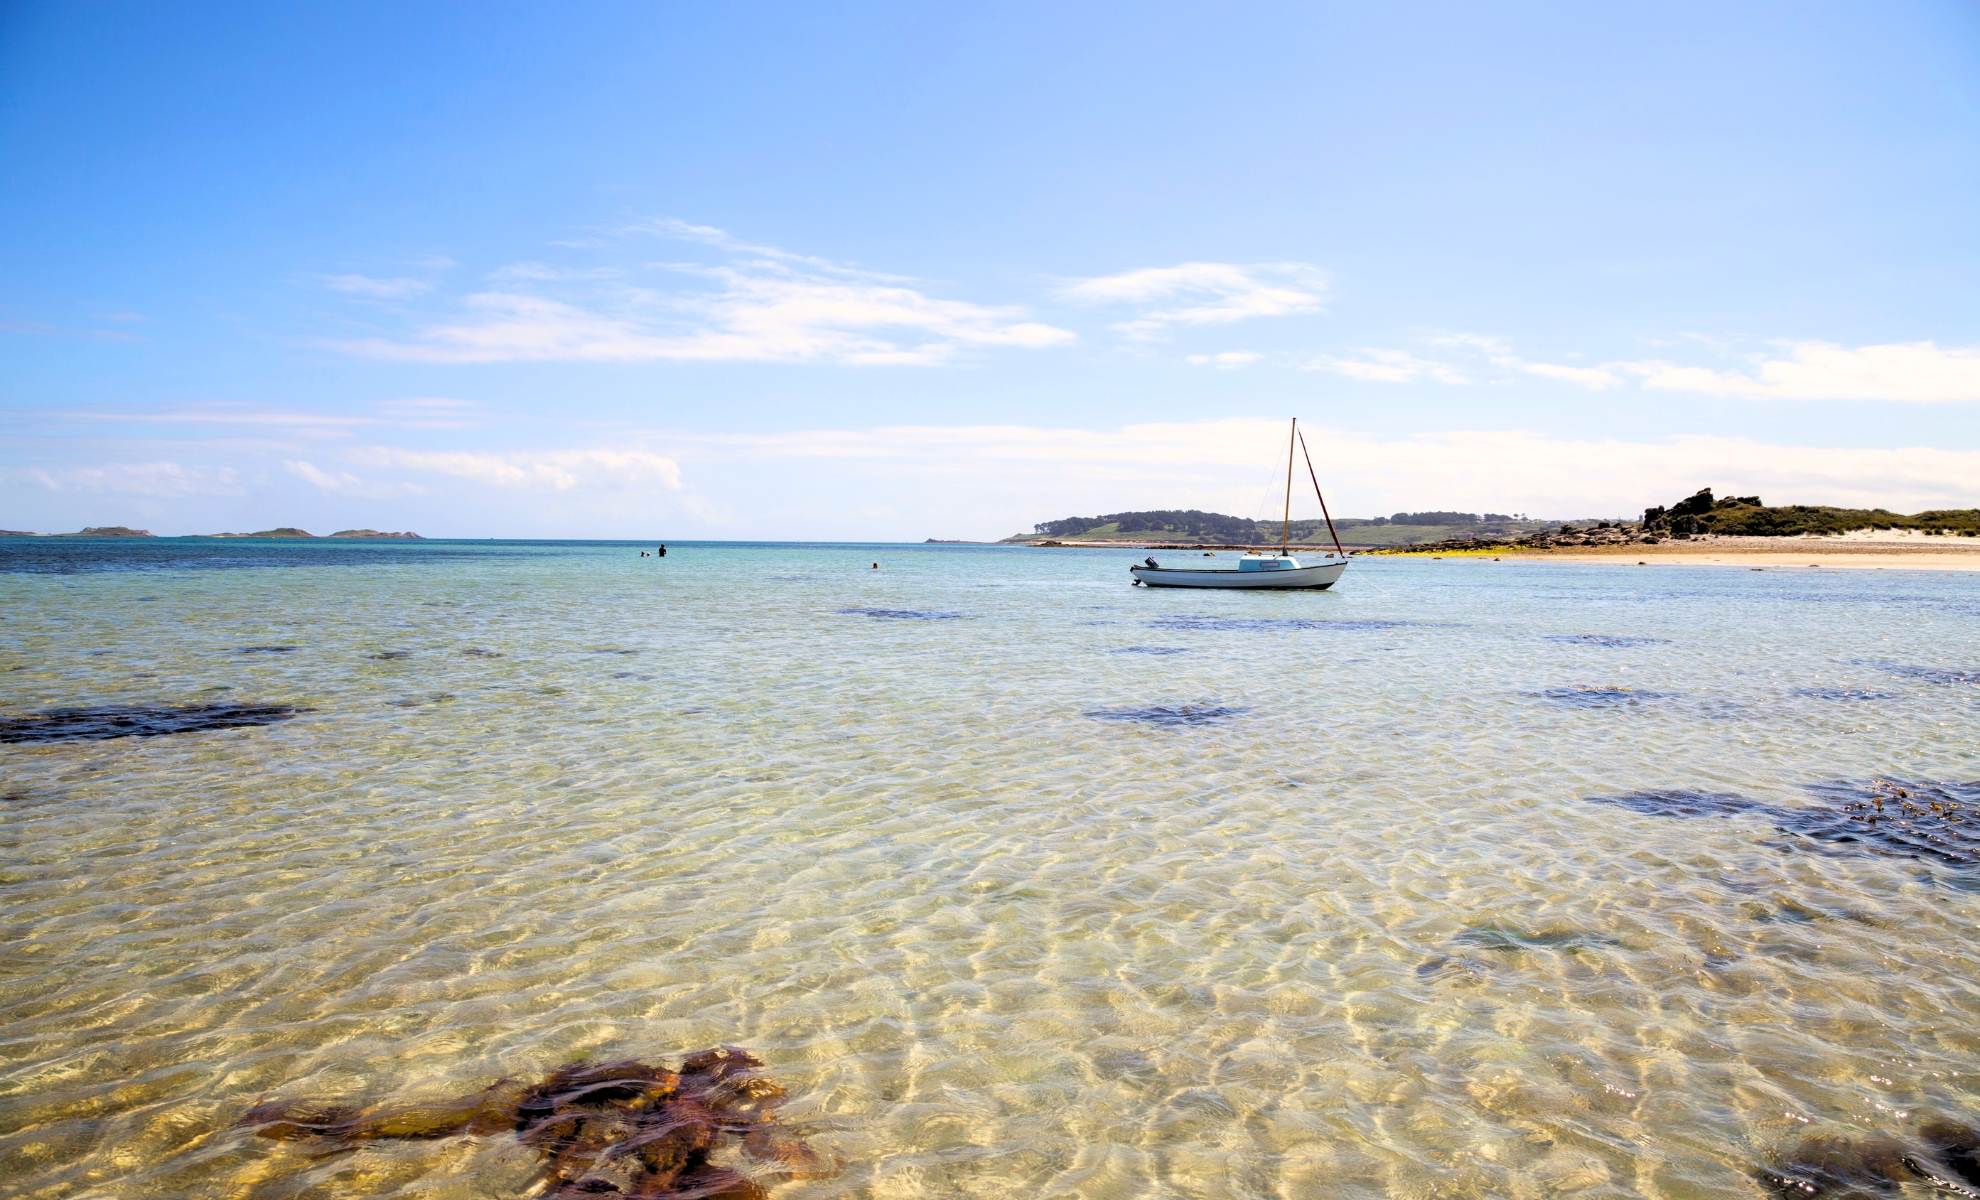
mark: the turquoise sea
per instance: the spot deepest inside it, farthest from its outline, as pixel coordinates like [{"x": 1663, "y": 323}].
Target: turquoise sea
[{"x": 1466, "y": 879}]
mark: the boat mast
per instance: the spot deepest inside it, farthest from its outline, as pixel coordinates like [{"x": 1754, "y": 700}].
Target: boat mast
[
  {"x": 1285, "y": 530},
  {"x": 1323, "y": 500}
]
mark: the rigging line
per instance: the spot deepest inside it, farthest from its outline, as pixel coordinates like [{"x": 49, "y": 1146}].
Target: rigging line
[
  {"x": 1285, "y": 530},
  {"x": 1323, "y": 500}
]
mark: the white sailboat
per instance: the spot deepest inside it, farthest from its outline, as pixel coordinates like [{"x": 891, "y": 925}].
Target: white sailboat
[{"x": 1261, "y": 569}]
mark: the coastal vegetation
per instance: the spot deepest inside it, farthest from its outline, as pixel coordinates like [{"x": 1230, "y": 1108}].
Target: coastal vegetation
[{"x": 1746, "y": 516}]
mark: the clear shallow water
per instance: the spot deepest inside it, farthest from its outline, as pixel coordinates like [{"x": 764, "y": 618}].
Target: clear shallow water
[{"x": 1349, "y": 928}]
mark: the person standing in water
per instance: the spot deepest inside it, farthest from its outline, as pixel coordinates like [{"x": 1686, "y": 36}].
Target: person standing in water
[{"x": 663, "y": 549}]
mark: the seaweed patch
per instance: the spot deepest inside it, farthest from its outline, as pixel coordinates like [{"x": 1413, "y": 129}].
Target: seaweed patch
[
  {"x": 1603, "y": 639},
  {"x": 264, "y": 649},
  {"x": 1914, "y": 820},
  {"x": 1843, "y": 693},
  {"x": 620, "y": 1128},
  {"x": 901, "y": 614},
  {"x": 1264, "y": 624},
  {"x": 134, "y": 720},
  {"x": 1167, "y": 714},
  {"x": 478, "y": 652},
  {"x": 1679, "y": 803},
  {"x": 392, "y": 655},
  {"x": 1922, "y": 674}
]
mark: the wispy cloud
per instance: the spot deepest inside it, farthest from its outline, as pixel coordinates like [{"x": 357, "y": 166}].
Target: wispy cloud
[
  {"x": 1914, "y": 372},
  {"x": 1203, "y": 293},
  {"x": 162, "y": 480},
  {"x": 382, "y": 289},
  {"x": 761, "y": 305}
]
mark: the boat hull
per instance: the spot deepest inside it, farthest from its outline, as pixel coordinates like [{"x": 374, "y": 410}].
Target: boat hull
[{"x": 1322, "y": 576}]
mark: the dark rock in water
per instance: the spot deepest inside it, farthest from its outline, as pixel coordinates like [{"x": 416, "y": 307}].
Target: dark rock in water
[
  {"x": 1264, "y": 624},
  {"x": 1956, "y": 1147},
  {"x": 1829, "y": 1164},
  {"x": 1601, "y": 639},
  {"x": 901, "y": 614},
  {"x": 619, "y": 1128},
  {"x": 478, "y": 652},
  {"x": 133, "y": 720},
  {"x": 265, "y": 649},
  {"x": 611, "y": 650},
  {"x": 1168, "y": 715},
  {"x": 1151, "y": 650},
  {"x": 416, "y": 701},
  {"x": 392, "y": 654},
  {"x": 1592, "y": 696},
  {"x": 1841, "y": 693},
  {"x": 1916, "y": 820},
  {"x": 1923, "y": 674},
  {"x": 1944, "y": 1154},
  {"x": 1678, "y": 803}
]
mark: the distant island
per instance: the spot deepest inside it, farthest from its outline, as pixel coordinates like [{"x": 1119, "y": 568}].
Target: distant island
[{"x": 1698, "y": 515}]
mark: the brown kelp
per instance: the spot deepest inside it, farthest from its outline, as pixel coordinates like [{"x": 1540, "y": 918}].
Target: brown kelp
[{"x": 619, "y": 1128}]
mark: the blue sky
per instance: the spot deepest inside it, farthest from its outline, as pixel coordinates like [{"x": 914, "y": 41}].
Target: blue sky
[{"x": 895, "y": 272}]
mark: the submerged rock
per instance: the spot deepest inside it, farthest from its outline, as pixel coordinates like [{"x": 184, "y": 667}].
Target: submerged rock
[
  {"x": 1943, "y": 1155},
  {"x": 135, "y": 720},
  {"x": 1917, "y": 820},
  {"x": 620, "y": 1128},
  {"x": 902, "y": 614}
]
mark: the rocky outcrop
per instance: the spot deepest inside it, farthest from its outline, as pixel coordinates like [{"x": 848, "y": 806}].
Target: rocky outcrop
[
  {"x": 373, "y": 533},
  {"x": 110, "y": 531}
]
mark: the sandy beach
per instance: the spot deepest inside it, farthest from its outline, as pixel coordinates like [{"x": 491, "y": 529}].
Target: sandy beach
[{"x": 1850, "y": 552}]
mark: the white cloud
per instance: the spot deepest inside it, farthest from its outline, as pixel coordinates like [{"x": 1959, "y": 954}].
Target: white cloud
[
  {"x": 164, "y": 480},
  {"x": 383, "y": 289},
  {"x": 1204, "y": 293},
  {"x": 762, "y": 305},
  {"x": 1917, "y": 372},
  {"x": 1229, "y": 360},
  {"x": 535, "y": 471}
]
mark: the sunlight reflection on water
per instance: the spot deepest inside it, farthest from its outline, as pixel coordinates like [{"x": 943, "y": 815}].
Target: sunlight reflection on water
[{"x": 1368, "y": 938}]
